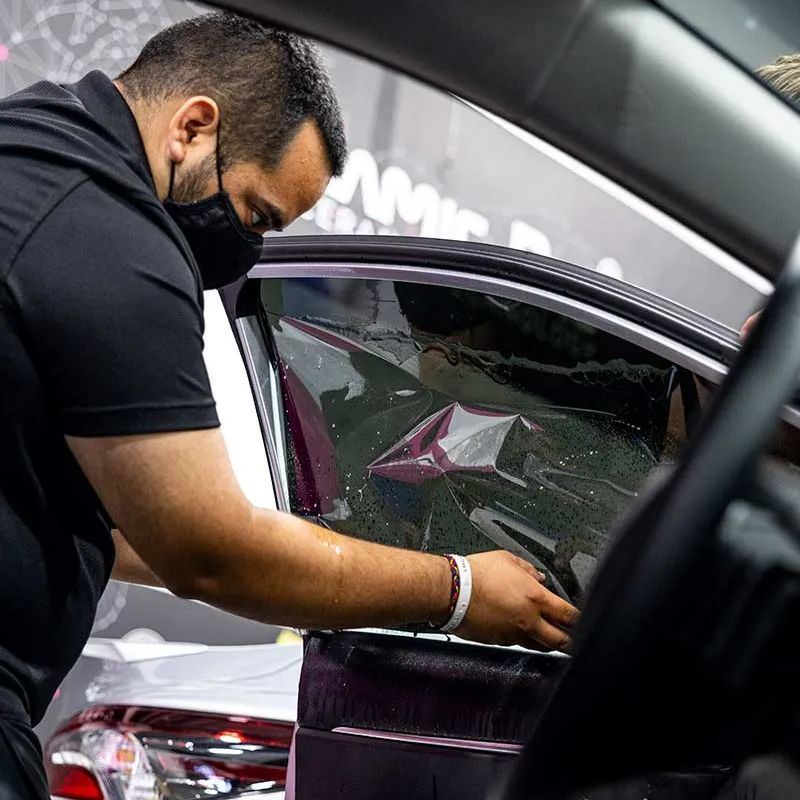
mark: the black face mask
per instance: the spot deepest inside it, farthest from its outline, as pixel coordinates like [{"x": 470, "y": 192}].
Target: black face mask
[{"x": 224, "y": 249}]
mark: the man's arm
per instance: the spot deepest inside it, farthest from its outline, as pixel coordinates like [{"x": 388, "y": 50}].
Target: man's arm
[
  {"x": 125, "y": 360},
  {"x": 177, "y": 503},
  {"x": 128, "y": 567}
]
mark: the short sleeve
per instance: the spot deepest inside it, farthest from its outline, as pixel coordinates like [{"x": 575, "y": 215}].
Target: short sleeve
[{"x": 111, "y": 314}]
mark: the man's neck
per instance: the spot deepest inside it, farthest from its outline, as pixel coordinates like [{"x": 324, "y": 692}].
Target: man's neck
[{"x": 143, "y": 117}]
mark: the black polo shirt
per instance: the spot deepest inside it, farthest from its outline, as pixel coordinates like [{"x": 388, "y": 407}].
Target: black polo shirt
[{"x": 101, "y": 329}]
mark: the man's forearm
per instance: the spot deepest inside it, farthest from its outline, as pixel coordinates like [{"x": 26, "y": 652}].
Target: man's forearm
[{"x": 291, "y": 572}]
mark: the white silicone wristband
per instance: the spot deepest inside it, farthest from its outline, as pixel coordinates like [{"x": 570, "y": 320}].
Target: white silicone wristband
[{"x": 464, "y": 594}]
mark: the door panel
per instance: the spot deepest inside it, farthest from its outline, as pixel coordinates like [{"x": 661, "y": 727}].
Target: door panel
[
  {"x": 398, "y": 718},
  {"x": 350, "y": 768},
  {"x": 423, "y": 407},
  {"x": 423, "y": 687}
]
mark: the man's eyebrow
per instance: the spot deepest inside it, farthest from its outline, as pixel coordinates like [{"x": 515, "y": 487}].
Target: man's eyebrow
[{"x": 275, "y": 216}]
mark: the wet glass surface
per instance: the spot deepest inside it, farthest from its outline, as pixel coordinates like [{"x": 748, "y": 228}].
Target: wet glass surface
[{"x": 450, "y": 421}]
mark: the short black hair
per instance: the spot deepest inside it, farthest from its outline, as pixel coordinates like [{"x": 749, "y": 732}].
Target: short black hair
[{"x": 267, "y": 83}]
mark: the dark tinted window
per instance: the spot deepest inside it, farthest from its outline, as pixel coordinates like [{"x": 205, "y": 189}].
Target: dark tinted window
[{"x": 447, "y": 420}]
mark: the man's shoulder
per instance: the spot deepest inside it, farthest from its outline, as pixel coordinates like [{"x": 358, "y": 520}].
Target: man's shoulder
[
  {"x": 104, "y": 218},
  {"x": 95, "y": 242},
  {"x": 92, "y": 220}
]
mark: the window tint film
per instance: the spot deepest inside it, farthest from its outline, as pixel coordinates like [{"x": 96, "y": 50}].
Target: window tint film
[{"x": 446, "y": 420}]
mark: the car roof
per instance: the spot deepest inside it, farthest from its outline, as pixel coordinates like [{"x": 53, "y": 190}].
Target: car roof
[{"x": 622, "y": 84}]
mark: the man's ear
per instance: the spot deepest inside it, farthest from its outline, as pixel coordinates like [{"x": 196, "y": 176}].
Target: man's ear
[{"x": 194, "y": 125}]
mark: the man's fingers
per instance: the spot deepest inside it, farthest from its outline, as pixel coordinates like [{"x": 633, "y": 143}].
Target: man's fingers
[
  {"x": 551, "y": 637},
  {"x": 555, "y": 609},
  {"x": 560, "y": 612},
  {"x": 531, "y": 570},
  {"x": 749, "y": 324}
]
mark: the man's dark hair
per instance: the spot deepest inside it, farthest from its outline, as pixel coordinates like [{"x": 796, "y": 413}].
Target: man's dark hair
[{"x": 267, "y": 83}]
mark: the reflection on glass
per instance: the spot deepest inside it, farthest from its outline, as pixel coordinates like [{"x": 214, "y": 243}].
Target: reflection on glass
[{"x": 447, "y": 420}]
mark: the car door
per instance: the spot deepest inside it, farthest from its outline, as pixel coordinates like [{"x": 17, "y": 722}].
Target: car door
[{"x": 456, "y": 397}]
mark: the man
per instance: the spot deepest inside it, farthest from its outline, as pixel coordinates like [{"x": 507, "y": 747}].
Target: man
[{"x": 121, "y": 202}]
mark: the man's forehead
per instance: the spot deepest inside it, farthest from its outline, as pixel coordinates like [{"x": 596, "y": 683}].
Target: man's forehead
[{"x": 301, "y": 176}]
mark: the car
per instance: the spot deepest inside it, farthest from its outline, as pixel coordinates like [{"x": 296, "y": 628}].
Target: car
[
  {"x": 459, "y": 396},
  {"x": 177, "y": 720},
  {"x": 414, "y": 413}
]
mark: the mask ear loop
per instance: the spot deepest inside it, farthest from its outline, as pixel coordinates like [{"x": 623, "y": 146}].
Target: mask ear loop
[
  {"x": 171, "y": 179},
  {"x": 219, "y": 159}
]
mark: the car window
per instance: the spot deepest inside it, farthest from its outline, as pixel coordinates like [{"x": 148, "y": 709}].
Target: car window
[{"x": 447, "y": 420}]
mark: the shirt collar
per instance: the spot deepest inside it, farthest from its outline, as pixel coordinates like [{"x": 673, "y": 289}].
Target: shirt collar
[{"x": 101, "y": 98}]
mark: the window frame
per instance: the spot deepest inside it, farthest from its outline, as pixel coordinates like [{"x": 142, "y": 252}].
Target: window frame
[{"x": 263, "y": 376}]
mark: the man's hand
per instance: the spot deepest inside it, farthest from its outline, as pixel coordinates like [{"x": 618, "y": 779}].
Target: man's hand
[
  {"x": 748, "y": 324},
  {"x": 511, "y": 606}
]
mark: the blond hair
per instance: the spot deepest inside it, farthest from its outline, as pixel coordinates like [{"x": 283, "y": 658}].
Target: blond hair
[{"x": 783, "y": 74}]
